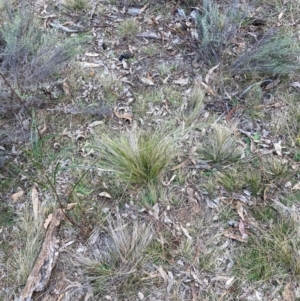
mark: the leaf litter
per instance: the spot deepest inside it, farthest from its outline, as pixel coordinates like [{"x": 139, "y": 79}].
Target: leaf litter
[{"x": 198, "y": 215}]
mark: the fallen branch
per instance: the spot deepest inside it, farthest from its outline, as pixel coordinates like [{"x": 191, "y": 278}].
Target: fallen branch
[{"x": 41, "y": 272}]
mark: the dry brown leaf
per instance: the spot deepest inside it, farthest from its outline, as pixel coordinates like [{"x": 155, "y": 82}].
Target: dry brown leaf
[
  {"x": 162, "y": 273},
  {"x": 43, "y": 130},
  {"x": 210, "y": 72},
  {"x": 95, "y": 123},
  {"x": 234, "y": 236},
  {"x": 16, "y": 196},
  {"x": 48, "y": 220},
  {"x": 127, "y": 116},
  {"x": 66, "y": 88},
  {"x": 105, "y": 194},
  {"x": 35, "y": 202},
  {"x": 296, "y": 186},
  {"x": 92, "y": 54},
  {"x": 148, "y": 35},
  {"x": 182, "y": 164},
  {"x": 277, "y": 147},
  {"x": 71, "y": 206},
  {"x": 240, "y": 210},
  {"x": 186, "y": 232},
  {"x": 89, "y": 65},
  {"x": 273, "y": 84},
  {"x": 288, "y": 293},
  {"x": 242, "y": 228},
  {"x": 181, "y": 81},
  {"x": 147, "y": 80}
]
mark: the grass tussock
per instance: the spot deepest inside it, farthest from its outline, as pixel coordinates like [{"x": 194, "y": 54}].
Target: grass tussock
[
  {"x": 121, "y": 266},
  {"x": 220, "y": 146},
  {"x": 137, "y": 157}
]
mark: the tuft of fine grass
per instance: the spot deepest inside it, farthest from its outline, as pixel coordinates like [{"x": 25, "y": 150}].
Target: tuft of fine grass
[
  {"x": 137, "y": 157},
  {"x": 121, "y": 266},
  {"x": 277, "y": 53},
  {"x": 127, "y": 29},
  {"x": 220, "y": 146}
]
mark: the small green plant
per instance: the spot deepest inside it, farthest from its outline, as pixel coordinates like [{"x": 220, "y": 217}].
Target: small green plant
[
  {"x": 271, "y": 255},
  {"x": 275, "y": 168},
  {"x": 277, "y": 53},
  {"x": 127, "y": 28},
  {"x": 220, "y": 146},
  {"x": 137, "y": 157},
  {"x": 253, "y": 180},
  {"x": 232, "y": 180}
]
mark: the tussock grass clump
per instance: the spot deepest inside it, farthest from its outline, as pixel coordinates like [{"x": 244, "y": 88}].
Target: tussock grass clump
[
  {"x": 220, "y": 146},
  {"x": 121, "y": 267},
  {"x": 127, "y": 29},
  {"x": 217, "y": 28},
  {"x": 277, "y": 53},
  {"x": 272, "y": 255},
  {"x": 137, "y": 157}
]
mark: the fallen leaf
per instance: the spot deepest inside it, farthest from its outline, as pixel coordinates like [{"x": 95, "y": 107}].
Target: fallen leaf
[
  {"x": 296, "y": 186},
  {"x": 242, "y": 227},
  {"x": 35, "y": 202},
  {"x": 105, "y": 194},
  {"x": 89, "y": 65},
  {"x": 92, "y": 54},
  {"x": 162, "y": 273},
  {"x": 95, "y": 123},
  {"x": 280, "y": 15},
  {"x": 127, "y": 116},
  {"x": 48, "y": 220},
  {"x": 234, "y": 236},
  {"x": 149, "y": 35},
  {"x": 147, "y": 80},
  {"x": 273, "y": 84},
  {"x": 186, "y": 232},
  {"x": 182, "y": 164},
  {"x": 70, "y": 206},
  {"x": 277, "y": 147},
  {"x": 209, "y": 73},
  {"x": 16, "y": 196},
  {"x": 43, "y": 130},
  {"x": 181, "y": 81},
  {"x": 229, "y": 282},
  {"x": 240, "y": 209},
  {"x": 288, "y": 293}
]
